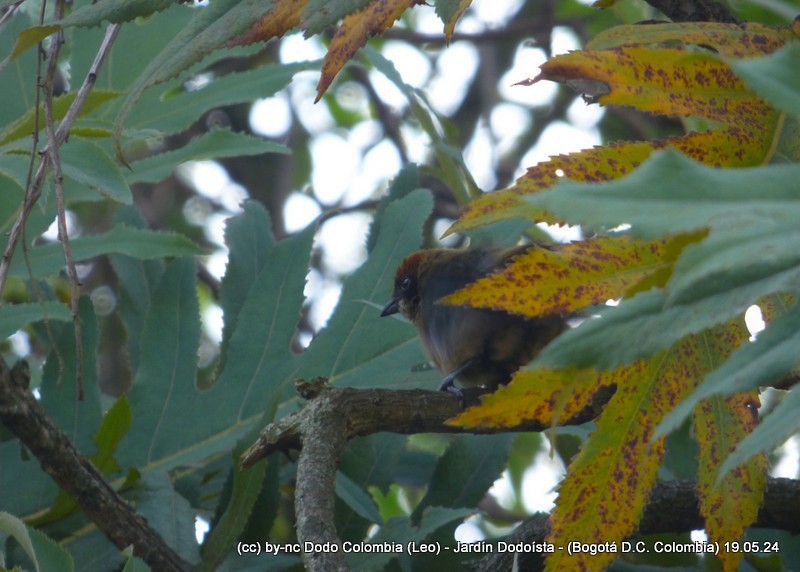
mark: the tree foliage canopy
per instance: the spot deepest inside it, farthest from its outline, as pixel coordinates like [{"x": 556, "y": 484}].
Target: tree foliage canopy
[{"x": 688, "y": 218}]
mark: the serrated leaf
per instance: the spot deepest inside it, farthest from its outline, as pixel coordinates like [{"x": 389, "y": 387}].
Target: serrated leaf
[
  {"x": 729, "y": 506},
  {"x": 538, "y": 394},
  {"x": 115, "y": 425},
  {"x": 321, "y": 14},
  {"x": 358, "y": 348},
  {"x": 449, "y": 11},
  {"x": 353, "y": 33},
  {"x": 249, "y": 239},
  {"x": 26, "y": 40},
  {"x": 96, "y": 13},
  {"x": 671, "y": 194},
  {"x": 246, "y": 488},
  {"x": 774, "y": 77},
  {"x": 736, "y": 257},
  {"x": 356, "y": 498},
  {"x": 399, "y": 531},
  {"x": 24, "y": 125},
  {"x": 170, "y": 515},
  {"x": 667, "y": 81},
  {"x": 59, "y": 384},
  {"x": 466, "y": 470},
  {"x": 612, "y": 161},
  {"x": 774, "y": 429},
  {"x": 180, "y": 111},
  {"x": 15, "y": 527},
  {"x": 573, "y": 277},
  {"x": 216, "y": 144},
  {"x": 121, "y": 239},
  {"x": 210, "y": 28},
  {"x": 770, "y": 357},
  {"x": 87, "y": 163},
  {"x": 286, "y": 16},
  {"x": 16, "y": 316},
  {"x": 730, "y": 40},
  {"x": 608, "y": 484},
  {"x": 166, "y": 375}
]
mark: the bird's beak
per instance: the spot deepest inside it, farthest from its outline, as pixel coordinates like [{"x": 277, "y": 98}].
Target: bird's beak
[{"x": 391, "y": 308}]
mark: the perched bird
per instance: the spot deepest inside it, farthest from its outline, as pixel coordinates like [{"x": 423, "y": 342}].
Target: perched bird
[{"x": 477, "y": 347}]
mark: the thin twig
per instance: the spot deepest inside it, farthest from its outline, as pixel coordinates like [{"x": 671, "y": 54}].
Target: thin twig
[
  {"x": 35, "y": 189},
  {"x": 52, "y": 151}
]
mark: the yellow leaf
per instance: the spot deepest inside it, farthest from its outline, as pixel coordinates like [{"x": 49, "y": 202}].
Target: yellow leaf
[
  {"x": 450, "y": 25},
  {"x": 608, "y": 484},
  {"x": 353, "y": 33},
  {"x": 541, "y": 395},
  {"x": 729, "y": 40},
  {"x": 285, "y": 16},
  {"x": 667, "y": 81},
  {"x": 573, "y": 277},
  {"x": 732, "y": 505}
]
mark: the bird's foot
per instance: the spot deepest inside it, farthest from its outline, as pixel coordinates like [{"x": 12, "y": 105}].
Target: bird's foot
[{"x": 448, "y": 384}]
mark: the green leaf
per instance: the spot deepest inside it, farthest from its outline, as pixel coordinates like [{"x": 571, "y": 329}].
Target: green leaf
[
  {"x": 247, "y": 486},
  {"x": 59, "y": 387},
  {"x": 164, "y": 385},
  {"x": 216, "y": 144},
  {"x": 737, "y": 257},
  {"x": 774, "y": 77},
  {"x": 17, "y": 316},
  {"x": 87, "y": 163},
  {"x": 358, "y": 348},
  {"x": 356, "y": 498},
  {"x": 121, "y": 239},
  {"x": 14, "y": 527},
  {"x": 671, "y": 194},
  {"x": 23, "y": 126},
  {"x": 398, "y": 532},
  {"x": 249, "y": 239},
  {"x": 15, "y": 168},
  {"x": 770, "y": 357},
  {"x": 468, "y": 468},
  {"x": 115, "y": 425},
  {"x": 180, "y": 111},
  {"x": 170, "y": 515},
  {"x": 211, "y": 28},
  {"x": 41, "y": 549},
  {"x": 373, "y": 460},
  {"x": 117, "y": 12},
  {"x": 321, "y": 14},
  {"x": 26, "y": 40}
]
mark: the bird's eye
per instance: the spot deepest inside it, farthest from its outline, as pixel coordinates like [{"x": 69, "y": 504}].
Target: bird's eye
[{"x": 405, "y": 283}]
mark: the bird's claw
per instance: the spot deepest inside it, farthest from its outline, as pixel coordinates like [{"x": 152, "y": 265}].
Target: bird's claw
[{"x": 448, "y": 385}]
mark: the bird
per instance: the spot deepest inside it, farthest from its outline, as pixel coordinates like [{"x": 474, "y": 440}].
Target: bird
[{"x": 478, "y": 347}]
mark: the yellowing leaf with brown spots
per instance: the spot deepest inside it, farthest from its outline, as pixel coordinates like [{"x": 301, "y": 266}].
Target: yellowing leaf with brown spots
[
  {"x": 731, "y": 505},
  {"x": 731, "y": 40},
  {"x": 726, "y": 147},
  {"x": 608, "y": 484},
  {"x": 545, "y": 396},
  {"x": 667, "y": 81},
  {"x": 575, "y": 276},
  {"x": 286, "y": 15},
  {"x": 450, "y": 11},
  {"x": 672, "y": 81},
  {"x": 353, "y": 33}
]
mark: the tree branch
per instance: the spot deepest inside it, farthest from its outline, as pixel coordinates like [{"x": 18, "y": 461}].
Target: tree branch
[
  {"x": 333, "y": 416},
  {"x": 122, "y": 525},
  {"x": 673, "y": 508}
]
